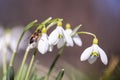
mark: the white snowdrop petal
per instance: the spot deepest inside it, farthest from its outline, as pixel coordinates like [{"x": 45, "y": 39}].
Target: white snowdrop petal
[
  {"x": 7, "y": 54},
  {"x": 86, "y": 53},
  {"x": 68, "y": 31},
  {"x": 43, "y": 45},
  {"x": 2, "y": 43},
  {"x": 13, "y": 44},
  {"x": 53, "y": 37},
  {"x": 68, "y": 38},
  {"x": 16, "y": 31},
  {"x": 60, "y": 43},
  {"x": 77, "y": 40},
  {"x": 8, "y": 38},
  {"x": 95, "y": 48},
  {"x": 15, "y": 34},
  {"x": 92, "y": 59},
  {"x": 103, "y": 56}
]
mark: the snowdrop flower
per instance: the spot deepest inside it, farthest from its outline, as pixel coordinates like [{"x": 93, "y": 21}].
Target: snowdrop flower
[
  {"x": 15, "y": 34},
  {"x": 76, "y": 38},
  {"x": 93, "y": 52},
  {"x": 10, "y": 38},
  {"x": 43, "y": 43},
  {"x": 4, "y": 52},
  {"x": 59, "y": 37}
]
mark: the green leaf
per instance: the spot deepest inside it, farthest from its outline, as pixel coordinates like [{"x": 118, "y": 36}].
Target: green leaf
[
  {"x": 75, "y": 30},
  {"x": 10, "y": 73},
  {"x": 34, "y": 69},
  {"x": 54, "y": 62},
  {"x": 73, "y": 73},
  {"x": 30, "y": 25},
  {"x": 111, "y": 70},
  {"x": 60, "y": 75},
  {"x": 24, "y": 72}
]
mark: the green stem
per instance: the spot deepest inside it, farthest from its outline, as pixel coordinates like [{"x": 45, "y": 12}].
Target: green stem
[
  {"x": 30, "y": 66},
  {"x": 60, "y": 75},
  {"x": 89, "y": 33},
  {"x": 53, "y": 22},
  {"x": 23, "y": 63},
  {"x": 54, "y": 62},
  {"x": 27, "y": 27},
  {"x": 14, "y": 52},
  {"x": 4, "y": 65}
]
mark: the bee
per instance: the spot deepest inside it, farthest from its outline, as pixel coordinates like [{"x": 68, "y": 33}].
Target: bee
[{"x": 35, "y": 36}]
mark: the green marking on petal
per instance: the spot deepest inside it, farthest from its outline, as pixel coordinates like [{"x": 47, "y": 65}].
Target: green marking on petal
[
  {"x": 60, "y": 36},
  {"x": 95, "y": 54}
]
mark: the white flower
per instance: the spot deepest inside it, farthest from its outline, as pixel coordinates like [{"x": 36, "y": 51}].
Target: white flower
[
  {"x": 9, "y": 39},
  {"x": 43, "y": 43},
  {"x": 93, "y": 52},
  {"x": 4, "y": 52},
  {"x": 76, "y": 38},
  {"x": 15, "y": 34},
  {"x": 59, "y": 37}
]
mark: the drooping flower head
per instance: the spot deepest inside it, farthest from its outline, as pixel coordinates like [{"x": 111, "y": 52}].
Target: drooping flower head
[
  {"x": 76, "y": 38},
  {"x": 43, "y": 43},
  {"x": 58, "y": 36},
  {"x": 93, "y": 52}
]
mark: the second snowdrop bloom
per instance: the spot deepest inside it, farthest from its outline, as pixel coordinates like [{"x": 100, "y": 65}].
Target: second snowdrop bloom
[
  {"x": 76, "y": 38},
  {"x": 59, "y": 36},
  {"x": 5, "y": 53},
  {"x": 93, "y": 52},
  {"x": 10, "y": 38},
  {"x": 43, "y": 44}
]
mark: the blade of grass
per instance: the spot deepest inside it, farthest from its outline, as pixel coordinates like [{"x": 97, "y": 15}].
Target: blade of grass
[
  {"x": 31, "y": 64},
  {"x": 30, "y": 25},
  {"x": 54, "y": 62},
  {"x": 60, "y": 75},
  {"x": 23, "y": 63}
]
